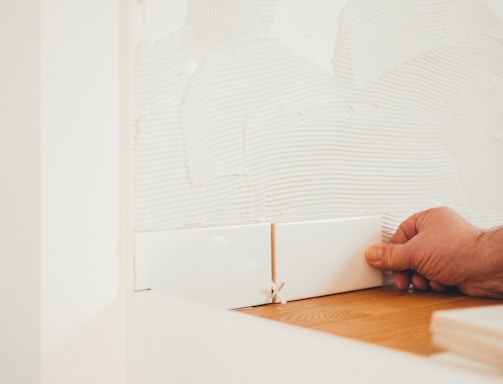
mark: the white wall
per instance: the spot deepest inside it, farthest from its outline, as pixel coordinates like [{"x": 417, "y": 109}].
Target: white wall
[
  {"x": 280, "y": 110},
  {"x": 83, "y": 285},
  {"x": 19, "y": 192},
  {"x": 62, "y": 285}
]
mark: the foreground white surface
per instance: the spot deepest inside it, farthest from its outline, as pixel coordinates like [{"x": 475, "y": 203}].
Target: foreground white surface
[{"x": 174, "y": 341}]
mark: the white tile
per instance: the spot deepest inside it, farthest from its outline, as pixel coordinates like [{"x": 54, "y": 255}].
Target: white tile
[
  {"x": 229, "y": 267},
  {"x": 475, "y": 333},
  {"x": 318, "y": 258}
]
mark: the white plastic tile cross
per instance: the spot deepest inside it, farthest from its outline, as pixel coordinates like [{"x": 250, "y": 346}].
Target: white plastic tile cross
[{"x": 319, "y": 258}]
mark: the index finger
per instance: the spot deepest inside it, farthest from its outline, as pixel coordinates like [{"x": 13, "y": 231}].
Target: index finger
[{"x": 406, "y": 230}]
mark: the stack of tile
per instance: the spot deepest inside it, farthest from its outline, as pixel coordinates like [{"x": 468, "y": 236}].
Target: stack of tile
[{"x": 475, "y": 333}]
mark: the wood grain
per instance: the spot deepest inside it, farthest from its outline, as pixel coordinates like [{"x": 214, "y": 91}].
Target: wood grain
[{"x": 384, "y": 316}]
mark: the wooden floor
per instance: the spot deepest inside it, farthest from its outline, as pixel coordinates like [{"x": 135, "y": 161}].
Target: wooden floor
[{"x": 383, "y": 316}]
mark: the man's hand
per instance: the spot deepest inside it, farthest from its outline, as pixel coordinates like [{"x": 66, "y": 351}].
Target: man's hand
[{"x": 438, "y": 248}]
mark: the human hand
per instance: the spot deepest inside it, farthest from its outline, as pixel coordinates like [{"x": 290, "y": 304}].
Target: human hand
[{"x": 438, "y": 248}]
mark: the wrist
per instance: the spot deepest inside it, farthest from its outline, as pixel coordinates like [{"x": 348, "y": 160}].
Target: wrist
[
  {"x": 489, "y": 251},
  {"x": 490, "y": 244}
]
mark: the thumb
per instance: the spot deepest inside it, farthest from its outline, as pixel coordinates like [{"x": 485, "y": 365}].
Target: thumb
[{"x": 389, "y": 257}]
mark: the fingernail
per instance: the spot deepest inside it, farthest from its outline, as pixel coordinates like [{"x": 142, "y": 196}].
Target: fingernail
[{"x": 374, "y": 253}]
